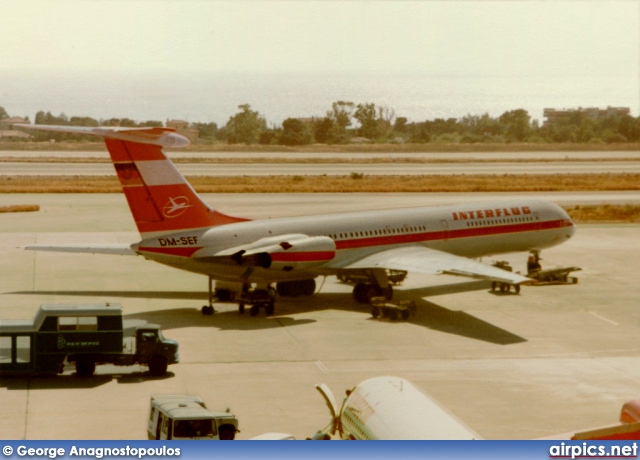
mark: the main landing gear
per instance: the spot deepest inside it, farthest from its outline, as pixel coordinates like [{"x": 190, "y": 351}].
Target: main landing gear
[
  {"x": 257, "y": 299},
  {"x": 208, "y": 310},
  {"x": 378, "y": 285}
]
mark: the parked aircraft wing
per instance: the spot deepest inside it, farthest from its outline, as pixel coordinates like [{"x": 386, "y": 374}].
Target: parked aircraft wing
[
  {"x": 114, "y": 249},
  {"x": 433, "y": 262}
]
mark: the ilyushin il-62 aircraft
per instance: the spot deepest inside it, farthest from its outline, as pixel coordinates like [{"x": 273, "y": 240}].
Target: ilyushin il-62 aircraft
[{"x": 178, "y": 229}]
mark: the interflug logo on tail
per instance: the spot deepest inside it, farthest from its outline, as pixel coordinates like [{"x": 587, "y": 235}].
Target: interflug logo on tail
[{"x": 176, "y": 206}]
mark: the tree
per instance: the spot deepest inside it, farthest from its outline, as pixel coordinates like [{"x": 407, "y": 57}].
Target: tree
[
  {"x": 3, "y": 113},
  {"x": 323, "y": 130},
  {"x": 83, "y": 121},
  {"x": 340, "y": 114},
  {"x": 516, "y": 124},
  {"x": 400, "y": 125},
  {"x": 49, "y": 119},
  {"x": 208, "y": 131},
  {"x": 245, "y": 126},
  {"x": 366, "y": 115},
  {"x": 151, "y": 124},
  {"x": 294, "y": 132}
]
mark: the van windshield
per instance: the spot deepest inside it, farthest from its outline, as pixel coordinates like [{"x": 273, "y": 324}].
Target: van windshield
[{"x": 193, "y": 429}]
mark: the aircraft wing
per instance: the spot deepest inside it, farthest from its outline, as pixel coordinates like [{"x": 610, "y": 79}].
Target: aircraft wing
[
  {"x": 433, "y": 262},
  {"x": 114, "y": 249}
]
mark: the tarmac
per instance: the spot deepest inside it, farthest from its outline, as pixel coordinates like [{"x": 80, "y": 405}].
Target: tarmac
[{"x": 550, "y": 360}]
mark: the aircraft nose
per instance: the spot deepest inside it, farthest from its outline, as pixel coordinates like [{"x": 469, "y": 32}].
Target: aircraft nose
[{"x": 569, "y": 225}]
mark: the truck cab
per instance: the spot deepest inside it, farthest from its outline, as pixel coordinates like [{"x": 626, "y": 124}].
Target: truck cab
[
  {"x": 184, "y": 417},
  {"x": 154, "y": 350}
]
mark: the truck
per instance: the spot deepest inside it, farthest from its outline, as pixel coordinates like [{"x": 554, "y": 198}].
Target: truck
[
  {"x": 186, "y": 417},
  {"x": 84, "y": 335}
]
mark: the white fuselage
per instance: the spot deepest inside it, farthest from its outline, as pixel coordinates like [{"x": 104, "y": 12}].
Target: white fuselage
[
  {"x": 470, "y": 230},
  {"x": 391, "y": 408}
]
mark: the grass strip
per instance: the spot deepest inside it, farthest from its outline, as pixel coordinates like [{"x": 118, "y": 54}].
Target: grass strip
[
  {"x": 355, "y": 183},
  {"x": 20, "y": 208}
]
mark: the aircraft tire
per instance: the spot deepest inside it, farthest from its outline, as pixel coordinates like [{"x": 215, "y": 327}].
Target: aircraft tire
[
  {"x": 373, "y": 291},
  {"x": 360, "y": 293},
  {"x": 207, "y": 310}
]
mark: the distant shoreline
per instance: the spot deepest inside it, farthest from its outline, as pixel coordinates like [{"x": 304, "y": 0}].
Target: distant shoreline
[{"x": 347, "y": 148}]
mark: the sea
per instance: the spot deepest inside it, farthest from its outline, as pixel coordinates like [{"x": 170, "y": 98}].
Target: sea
[{"x": 216, "y": 97}]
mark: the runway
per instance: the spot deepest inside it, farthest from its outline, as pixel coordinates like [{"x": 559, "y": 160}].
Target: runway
[
  {"x": 550, "y": 360},
  {"x": 336, "y": 169},
  {"x": 628, "y": 155}
]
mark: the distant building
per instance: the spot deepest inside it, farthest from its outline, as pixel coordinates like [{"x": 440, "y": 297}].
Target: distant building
[
  {"x": 182, "y": 127},
  {"x": 555, "y": 116},
  {"x": 7, "y": 131}
]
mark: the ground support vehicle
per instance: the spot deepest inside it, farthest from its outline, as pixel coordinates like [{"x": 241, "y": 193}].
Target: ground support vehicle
[
  {"x": 402, "y": 309},
  {"x": 184, "y": 417},
  {"x": 84, "y": 335},
  {"x": 257, "y": 299},
  {"x": 395, "y": 277},
  {"x": 558, "y": 275},
  {"x": 504, "y": 287}
]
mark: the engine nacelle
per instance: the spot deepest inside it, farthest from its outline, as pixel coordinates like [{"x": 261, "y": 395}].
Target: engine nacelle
[{"x": 288, "y": 254}]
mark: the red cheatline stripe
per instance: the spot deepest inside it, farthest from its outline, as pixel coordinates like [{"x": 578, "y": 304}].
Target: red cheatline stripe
[
  {"x": 173, "y": 251},
  {"x": 308, "y": 256},
  {"x": 452, "y": 234}
]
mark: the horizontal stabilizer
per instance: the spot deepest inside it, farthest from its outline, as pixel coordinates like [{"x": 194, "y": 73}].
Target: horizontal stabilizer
[
  {"x": 164, "y": 137},
  {"x": 114, "y": 249}
]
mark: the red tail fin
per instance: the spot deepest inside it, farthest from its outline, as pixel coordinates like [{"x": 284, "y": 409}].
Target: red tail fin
[{"x": 160, "y": 198}]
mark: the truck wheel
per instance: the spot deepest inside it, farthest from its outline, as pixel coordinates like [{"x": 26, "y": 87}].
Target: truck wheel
[
  {"x": 405, "y": 314},
  {"x": 270, "y": 309},
  {"x": 375, "y": 312},
  {"x": 85, "y": 367},
  {"x": 158, "y": 366},
  {"x": 393, "y": 315},
  {"x": 254, "y": 310},
  {"x": 227, "y": 433},
  {"x": 241, "y": 308}
]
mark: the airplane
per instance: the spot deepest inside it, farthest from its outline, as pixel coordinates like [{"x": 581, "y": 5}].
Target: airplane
[
  {"x": 390, "y": 408},
  {"x": 177, "y": 228}
]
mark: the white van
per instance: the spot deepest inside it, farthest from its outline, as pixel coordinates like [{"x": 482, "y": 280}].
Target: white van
[{"x": 184, "y": 417}]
